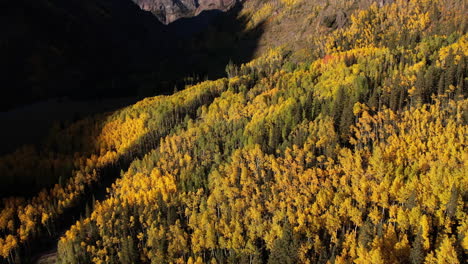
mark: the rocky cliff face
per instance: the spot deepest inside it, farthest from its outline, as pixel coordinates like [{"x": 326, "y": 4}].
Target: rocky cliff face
[{"x": 168, "y": 11}]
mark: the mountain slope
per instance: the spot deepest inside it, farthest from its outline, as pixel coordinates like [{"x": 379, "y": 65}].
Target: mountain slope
[
  {"x": 95, "y": 49},
  {"x": 169, "y": 11},
  {"x": 347, "y": 145},
  {"x": 81, "y": 49}
]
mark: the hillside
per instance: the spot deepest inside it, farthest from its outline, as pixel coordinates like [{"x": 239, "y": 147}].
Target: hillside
[
  {"x": 66, "y": 60},
  {"x": 342, "y": 140},
  {"x": 100, "y": 49},
  {"x": 80, "y": 49}
]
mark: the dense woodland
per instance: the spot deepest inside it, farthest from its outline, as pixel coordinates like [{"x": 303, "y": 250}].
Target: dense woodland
[{"x": 348, "y": 147}]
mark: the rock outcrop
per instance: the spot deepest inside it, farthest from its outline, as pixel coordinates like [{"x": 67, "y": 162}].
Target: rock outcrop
[{"x": 168, "y": 11}]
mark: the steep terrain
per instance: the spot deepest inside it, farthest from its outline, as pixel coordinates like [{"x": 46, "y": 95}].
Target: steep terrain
[
  {"x": 81, "y": 49},
  {"x": 90, "y": 53},
  {"x": 344, "y": 140},
  {"x": 169, "y": 11},
  {"x": 96, "y": 49},
  {"x": 200, "y": 50}
]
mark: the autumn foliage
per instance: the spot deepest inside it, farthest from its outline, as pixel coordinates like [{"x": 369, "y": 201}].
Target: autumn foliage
[{"x": 357, "y": 156}]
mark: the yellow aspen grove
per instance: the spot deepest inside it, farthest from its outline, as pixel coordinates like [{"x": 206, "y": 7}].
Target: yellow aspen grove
[{"x": 342, "y": 141}]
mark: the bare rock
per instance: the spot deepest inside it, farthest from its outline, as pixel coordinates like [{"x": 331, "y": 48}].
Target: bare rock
[{"x": 168, "y": 11}]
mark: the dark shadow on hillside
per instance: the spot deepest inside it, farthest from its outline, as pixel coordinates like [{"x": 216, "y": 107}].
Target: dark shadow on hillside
[
  {"x": 203, "y": 50},
  {"x": 114, "y": 50},
  {"x": 99, "y": 49},
  {"x": 90, "y": 51},
  {"x": 62, "y": 61},
  {"x": 208, "y": 42},
  {"x": 81, "y": 49}
]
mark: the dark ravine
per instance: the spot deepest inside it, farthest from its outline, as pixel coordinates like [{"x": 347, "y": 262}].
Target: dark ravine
[
  {"x": 91, "y": 50},
  {"x": 201, "y": 50},
  {"x": 80, "y": 49}
]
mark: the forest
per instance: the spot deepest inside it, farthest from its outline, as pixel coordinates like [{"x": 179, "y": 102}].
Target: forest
[{"x": 344, "y": 144}]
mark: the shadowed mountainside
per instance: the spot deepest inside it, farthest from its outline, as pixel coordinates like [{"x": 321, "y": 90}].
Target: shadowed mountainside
[
  {"x": 80, "y": 49},
  {"x": 202, "y": 49},
  {"x": 93, "y": 51},
  {"x": 90, "y": 49}
]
